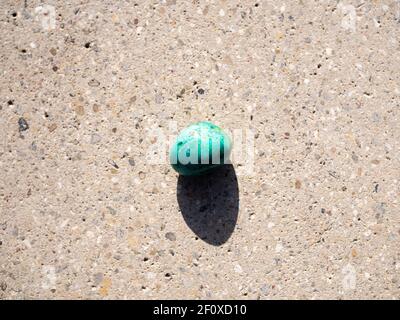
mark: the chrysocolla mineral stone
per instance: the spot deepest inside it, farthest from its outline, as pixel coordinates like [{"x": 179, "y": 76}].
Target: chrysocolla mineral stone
[{"x": 200, "y": 148}]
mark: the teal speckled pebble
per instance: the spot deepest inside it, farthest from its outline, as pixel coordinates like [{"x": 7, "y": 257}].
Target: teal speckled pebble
[{"x": 200, "y": 148}]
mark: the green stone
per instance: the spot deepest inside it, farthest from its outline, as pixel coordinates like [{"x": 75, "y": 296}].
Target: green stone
[{"x": 199, "y": 149}]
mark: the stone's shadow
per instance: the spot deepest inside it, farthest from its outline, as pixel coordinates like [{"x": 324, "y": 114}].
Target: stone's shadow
[{"x": 210, "y": 204}]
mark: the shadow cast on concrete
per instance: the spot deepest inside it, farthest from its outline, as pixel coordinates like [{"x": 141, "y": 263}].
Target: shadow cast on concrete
[{"x": 210, "y": 204}]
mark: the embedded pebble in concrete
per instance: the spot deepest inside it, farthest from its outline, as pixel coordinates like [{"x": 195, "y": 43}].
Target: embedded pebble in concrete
[
  {"x": 170, "y": 236},
  {"x": 23, "y": 125},
  {"x": 317, "y": 82}
]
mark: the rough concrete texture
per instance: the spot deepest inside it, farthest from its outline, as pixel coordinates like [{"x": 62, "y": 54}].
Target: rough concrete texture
[{"x": 84, "y": 216}]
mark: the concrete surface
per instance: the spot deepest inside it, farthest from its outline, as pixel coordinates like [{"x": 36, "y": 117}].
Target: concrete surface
[{"x": 83, "y": 215}]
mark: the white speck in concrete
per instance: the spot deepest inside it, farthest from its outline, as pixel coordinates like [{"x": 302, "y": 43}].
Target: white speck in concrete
[
  {"x": 50, "y": 277},
  {"x": 27, "y": 243},
  {"x": 349, "y": 17},
  {"x": 349, "y": 277},
  {"x": 46, "y": 15},
  {"x": 279, "y": 247},
  {"x": 238, "y": 268}
]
